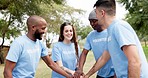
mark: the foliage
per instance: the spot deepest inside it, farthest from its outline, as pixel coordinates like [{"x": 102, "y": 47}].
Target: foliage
[
  {"x": 138, "y": 16},
  {"x": 84, "y": 31},
  {"x": 14, "y": 12},
  {"x": 57, "y": 14}
]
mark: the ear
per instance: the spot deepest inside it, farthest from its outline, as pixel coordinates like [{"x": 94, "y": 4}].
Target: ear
[
  {"x": 33, "y": 27},
  {"x": 103, "y": 12}
]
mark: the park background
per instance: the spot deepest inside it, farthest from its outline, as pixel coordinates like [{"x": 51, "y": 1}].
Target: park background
[{"x": 13, "y": 15}]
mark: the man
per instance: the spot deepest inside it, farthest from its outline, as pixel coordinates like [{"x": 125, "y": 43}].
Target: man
[
  {"x": 25, "y": 52},
  {"x": 96, "y": 41},
  {"x": 123, "y": 45}
]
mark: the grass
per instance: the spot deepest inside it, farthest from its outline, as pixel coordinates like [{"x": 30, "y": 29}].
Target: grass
[
  {"x": 44, "y": 72},
  {"x": 146, "y": 51}
]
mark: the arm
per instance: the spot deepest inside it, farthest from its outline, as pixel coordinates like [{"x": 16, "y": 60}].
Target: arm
[
  {"x": 131, "y": 53},
  {"x": 64, "y": 68},
  {"x": 100, "y": 63},
  {"x": 82, "y": 61},
  {"x": 9, "y": 66},
  {"x": 54, "y": 66}
]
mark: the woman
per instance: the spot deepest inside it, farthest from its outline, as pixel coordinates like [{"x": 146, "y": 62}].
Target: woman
[{"x": 66, "y": 52}]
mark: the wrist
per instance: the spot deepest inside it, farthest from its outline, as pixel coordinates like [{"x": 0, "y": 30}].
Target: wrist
[
  {"x": 69, "y": 76},
  {"x": 78, "y": 68},
  {"x": 88, "y": 75}
]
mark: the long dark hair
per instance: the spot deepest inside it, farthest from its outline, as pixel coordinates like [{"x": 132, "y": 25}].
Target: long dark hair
[{"x": 74, "y": 38}]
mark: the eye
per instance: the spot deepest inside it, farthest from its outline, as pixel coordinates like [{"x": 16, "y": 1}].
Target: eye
[
  {"x": 43, "y": 28},
  {"x": 71, "y": 31},
  {"x": 66, "y": 31}
]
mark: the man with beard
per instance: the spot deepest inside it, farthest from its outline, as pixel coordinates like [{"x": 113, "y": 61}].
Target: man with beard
[
  {"x": 25, "y": 52},
  {"x": 96, "y": 41}
]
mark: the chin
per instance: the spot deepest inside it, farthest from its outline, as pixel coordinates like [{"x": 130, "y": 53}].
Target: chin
[{"x": 69, "y": 39}]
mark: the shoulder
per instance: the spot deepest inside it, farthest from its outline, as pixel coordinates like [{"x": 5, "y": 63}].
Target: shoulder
[
  {"x": 121, "y": 23},
  {"x": 57, "y": 44},
  {"x": 20, "y": 39},
  {"x": 91, "y": 33}
]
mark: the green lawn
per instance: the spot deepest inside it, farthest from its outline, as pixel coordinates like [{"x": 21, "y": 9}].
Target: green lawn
[
  {"x": 44, "y": 72},
  {"x": 146, "y": 51}
]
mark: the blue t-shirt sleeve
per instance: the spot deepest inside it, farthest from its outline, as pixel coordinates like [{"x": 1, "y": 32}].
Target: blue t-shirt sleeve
[
  {"x": 124, "y": 35},
  {"x": 105, "y": 47},
  {"x": 14, "y": 52},
  {"x": 87, "y": 45},
  {"x": 56, "y": 55},
  {"x": 44, "y": 50}
]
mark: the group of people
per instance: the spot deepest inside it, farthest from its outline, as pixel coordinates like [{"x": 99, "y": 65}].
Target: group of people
[{"x": 114, "y": 43}]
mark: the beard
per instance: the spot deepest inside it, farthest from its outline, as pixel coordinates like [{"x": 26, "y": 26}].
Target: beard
[
  {"x": 38, "y": 35},
  {"x": 98, "y": 28}
]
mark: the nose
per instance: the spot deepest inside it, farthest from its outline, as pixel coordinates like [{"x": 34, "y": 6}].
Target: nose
[{"x": 92, "y": 24}]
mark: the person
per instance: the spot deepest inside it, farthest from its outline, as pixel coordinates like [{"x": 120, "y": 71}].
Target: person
[
  {"x": 66, "y": 51},
  {"x": 96, "y": 41},
  {"x": 123, "y": 45},
  {"x": 25, "y": 52}
]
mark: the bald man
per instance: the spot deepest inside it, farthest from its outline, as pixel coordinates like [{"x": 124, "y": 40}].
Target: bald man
[{"x": 25, "y": 52}]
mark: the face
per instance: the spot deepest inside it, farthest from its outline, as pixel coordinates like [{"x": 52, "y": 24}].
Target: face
[
  {"x": 100, "y": 15},
  {"x": 95, "y": 25},
  {"x": 40, "y": 30},
  {"x": 68, "y": 33}
]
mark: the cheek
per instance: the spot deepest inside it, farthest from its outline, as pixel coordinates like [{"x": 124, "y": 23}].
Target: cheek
[{"x": 97, "y": 15}]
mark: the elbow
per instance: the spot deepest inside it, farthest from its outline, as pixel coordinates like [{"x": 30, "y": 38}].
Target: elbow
[
  {"x": 135, "y": 63},
  {"x": 51, "y": 65},
  {"x": 5, "y": 73}
]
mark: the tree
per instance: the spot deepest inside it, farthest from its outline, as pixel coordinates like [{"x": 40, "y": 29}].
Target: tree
[
  {"x": 84, "y": 31},
  {"x": 14, "y": 12},
  {"x": 138, "y": 16}
]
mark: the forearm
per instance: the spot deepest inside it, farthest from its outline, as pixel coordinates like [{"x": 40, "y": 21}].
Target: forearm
[
  {"x": 99, "y": 64},
  {"x": 82, "y": 60},
  {"x": 54, "y": 66},
  {"x": 7, "y": 74},
  {"x": 68, "y": 70},
  {"x": 134, "y": 70},
  {"x": 57, "y": 69},
  {"x": 134, "y": 63}
]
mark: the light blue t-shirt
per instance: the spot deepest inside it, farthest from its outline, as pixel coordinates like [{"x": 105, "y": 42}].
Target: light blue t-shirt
[
  {"x": 120, "y": 33},
  {"x": 66, "y": 54},
  {"x": 96, "y": 41},
  {"x": 26, "y": 53}
]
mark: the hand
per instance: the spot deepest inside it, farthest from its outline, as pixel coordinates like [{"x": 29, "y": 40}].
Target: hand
[
  {"x": 85, "y": 76},
  {"x": 78, "y": 74},
  {"x": 70, "y": 76}
]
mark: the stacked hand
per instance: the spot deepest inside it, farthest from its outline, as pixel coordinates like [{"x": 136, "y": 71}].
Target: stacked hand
[{"x": 78, "y": 74}]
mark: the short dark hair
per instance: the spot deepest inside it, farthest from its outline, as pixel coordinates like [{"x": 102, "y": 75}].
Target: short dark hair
[{"x": 109, "y": 5}]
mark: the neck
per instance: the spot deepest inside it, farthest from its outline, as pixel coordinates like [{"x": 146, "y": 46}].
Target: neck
[
  {"x": 109, "y": 20},
  {"x": 31, "y": 37},
  {"x": 66, "y": 41}
]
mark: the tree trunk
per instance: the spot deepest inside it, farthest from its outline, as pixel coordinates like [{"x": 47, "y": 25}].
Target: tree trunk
[{"x": 1, "y": 50}]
